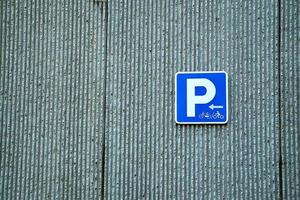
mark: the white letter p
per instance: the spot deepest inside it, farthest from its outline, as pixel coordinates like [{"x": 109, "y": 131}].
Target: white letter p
[{"x": 192, "y": 99}]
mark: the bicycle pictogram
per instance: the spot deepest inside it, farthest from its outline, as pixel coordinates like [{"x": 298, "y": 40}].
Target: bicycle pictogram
[{"x": 217, "y": 115}]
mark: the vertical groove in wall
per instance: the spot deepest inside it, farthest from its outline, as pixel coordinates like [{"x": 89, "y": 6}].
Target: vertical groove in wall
[
  {"x": 104, "y": 106},
  {"x": 290, "y": 95},
  {"x": 280, "y": 174},
  {"x": 152, "y": 157},
  {"x": 52, "y": 74}
]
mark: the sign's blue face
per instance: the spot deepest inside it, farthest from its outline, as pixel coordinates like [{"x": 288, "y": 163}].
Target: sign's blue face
[{"x": 201, "y": 98}]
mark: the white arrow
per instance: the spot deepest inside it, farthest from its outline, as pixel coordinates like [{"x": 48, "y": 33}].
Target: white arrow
[{"x": 212, "y": 106}]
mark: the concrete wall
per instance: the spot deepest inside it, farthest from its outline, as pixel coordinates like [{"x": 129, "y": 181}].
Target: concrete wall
[
  {"x": 87, "y": 100},
  {"x": 52, "y": 92},
  {"x": 290, "y": 98}
]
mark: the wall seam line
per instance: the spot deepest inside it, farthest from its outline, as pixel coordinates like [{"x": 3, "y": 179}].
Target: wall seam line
[
  {"x": 103, "y": 145},
  {"x": 279, "y": 101}
]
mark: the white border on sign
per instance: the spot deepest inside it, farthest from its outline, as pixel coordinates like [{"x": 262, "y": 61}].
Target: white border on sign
[{"x": 203, "y": 72}]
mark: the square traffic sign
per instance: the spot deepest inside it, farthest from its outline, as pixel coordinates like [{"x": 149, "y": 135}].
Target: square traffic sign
[{"x": 201, "y": 97}]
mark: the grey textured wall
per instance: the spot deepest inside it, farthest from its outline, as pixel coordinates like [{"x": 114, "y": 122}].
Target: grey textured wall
[
  {"x": 290, "y": 98},
  {"x": 87, "y": 99},
  {"x": 51, "y": 110}
]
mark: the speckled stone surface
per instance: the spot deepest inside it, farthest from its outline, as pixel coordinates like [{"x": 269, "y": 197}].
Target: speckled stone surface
[{"x": 87, "y": 99}]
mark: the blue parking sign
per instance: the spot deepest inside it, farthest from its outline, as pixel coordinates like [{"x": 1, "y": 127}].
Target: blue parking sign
[{"x": 201, "y": 97}]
